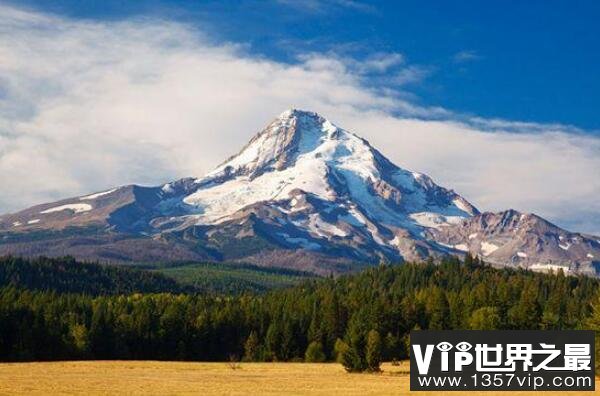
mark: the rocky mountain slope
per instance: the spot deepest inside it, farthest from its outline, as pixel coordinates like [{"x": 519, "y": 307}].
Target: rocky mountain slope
[
  {"x": 304, "y": 194},
  {"x": 524, "y": 240}
]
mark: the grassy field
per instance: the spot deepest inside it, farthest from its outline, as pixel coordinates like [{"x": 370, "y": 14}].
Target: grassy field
[{"x": 176, "y": 378}]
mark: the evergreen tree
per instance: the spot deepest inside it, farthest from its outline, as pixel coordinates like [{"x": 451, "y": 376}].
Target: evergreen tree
[
  {"x": 391, "y": 349},
  {"x": 102, "y": 337},
  {"x": 438, "y": 309},
  {"x": 79, "y": 336},
  {"x": 356, "y": 335},
  {"x": 484, "y": 318},
  {"x": 314, "y": 329},
  {"x": 526, "y": 313},
  {"x": 373, "y": 351},
  {"x": 252, "y": 352},
  {"x": 593, "y": 323},
  {"x": 352, "y": 361}
]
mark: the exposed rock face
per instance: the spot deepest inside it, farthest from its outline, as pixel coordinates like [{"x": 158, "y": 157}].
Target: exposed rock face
[
  {"x": 521, "y": 239},
  {"x": 303, "y": 193}
]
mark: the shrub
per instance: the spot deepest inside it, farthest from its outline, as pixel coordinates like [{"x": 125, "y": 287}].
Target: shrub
[
  {"x": 233, "y": 362},
  {"x": 314, "y": 353},
  {"x": 339, "y": 347},
  {"x": 352, "y": 361}
]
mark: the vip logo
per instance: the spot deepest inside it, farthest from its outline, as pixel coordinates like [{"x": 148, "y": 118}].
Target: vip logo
[
  {"x": 508, "y": 360},
  {"x": 503, "y": 358},
  {"x": 462, "y": 356}
]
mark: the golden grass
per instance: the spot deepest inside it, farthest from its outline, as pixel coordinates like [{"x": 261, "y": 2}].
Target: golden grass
[{"x": 180, "y": 378}]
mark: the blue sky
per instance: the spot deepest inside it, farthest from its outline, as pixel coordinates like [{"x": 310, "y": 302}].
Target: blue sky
[
  {"x": 534, "y": 61},
  {"x": 497, "y": 102}
]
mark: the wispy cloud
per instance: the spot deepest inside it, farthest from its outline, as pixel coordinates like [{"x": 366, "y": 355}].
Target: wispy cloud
[
  {"x": 321, "y": 6},
  {"x": 411, "y": 75},
  {"x": 466, "y": 56},
  {"x": 381, "y": 62},
  {"x": 89, "y": 105}
]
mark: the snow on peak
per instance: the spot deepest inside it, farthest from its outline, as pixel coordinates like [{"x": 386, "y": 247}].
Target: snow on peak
[
  {"x": 286, "y": 114},
  {"x": 293, "y": 134},
  {"x": 272, "y": 144},
  {"x": 302, "y": 151},
  {"x": 291, "y": 113}
]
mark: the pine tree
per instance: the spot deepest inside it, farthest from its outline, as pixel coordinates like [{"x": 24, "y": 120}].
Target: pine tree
[
  {"x": 314, "y": 329},
  {"x": 356, "y": 336},
  {"x": 352, "y": 361},
  {"x": 391, "y": 349},
  {"x": 373, "y": 351},
  {"x": 102, "y": 337},
  {"x": 525, "y": 314},
  {"x": 273, "y": 340},
  {"x": 288, "y": 340},
  {"x": 484, "y": 318},
  {"x": 332, "y": 322},
  {"x": 79, "y": 336},
  {"x": 339, "y": 348},
  {"x": 438, "y": 309},
  {"x": 252, "y": 348},
  {"x": 593, "y": 323}
]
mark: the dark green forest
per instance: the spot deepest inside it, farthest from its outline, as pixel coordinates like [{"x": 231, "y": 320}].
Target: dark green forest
[
  {"x": 352, "y": 317},
  {"x": 65, "y": 275}
]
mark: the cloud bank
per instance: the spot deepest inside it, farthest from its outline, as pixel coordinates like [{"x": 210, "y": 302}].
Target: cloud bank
[{"x": 88, "y": 105}]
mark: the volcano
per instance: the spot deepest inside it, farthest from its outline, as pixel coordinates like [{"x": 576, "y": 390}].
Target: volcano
[{"x": 302, "y": 194}]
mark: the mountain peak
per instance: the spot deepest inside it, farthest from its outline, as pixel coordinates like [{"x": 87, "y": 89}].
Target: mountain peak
[
  {"x": 301, "y": 154},
  {"x": 293, "y": 133},
  {"x": 294, "y": 113},
  {"x": 301, "y": 121}
]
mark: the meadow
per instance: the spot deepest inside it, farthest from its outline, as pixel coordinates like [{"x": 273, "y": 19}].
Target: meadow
[{"x": 186, "y": 378}]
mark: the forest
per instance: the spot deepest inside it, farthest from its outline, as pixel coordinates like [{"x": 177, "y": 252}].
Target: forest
[
  {"x": 347, "y": 318},
  {"x": 66, "y": 275}
]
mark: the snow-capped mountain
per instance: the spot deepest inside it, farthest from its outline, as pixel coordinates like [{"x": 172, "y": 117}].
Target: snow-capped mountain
[{"x": 303, "y": 193}]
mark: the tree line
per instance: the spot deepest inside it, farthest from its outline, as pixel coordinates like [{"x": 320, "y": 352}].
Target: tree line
[{"x": 358, "y": 319}]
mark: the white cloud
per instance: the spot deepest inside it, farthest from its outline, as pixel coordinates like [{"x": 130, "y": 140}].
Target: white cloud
[
  {"x": 327, "y": 5},
  {"x": 85, "y": 106},
  {"x": 411, "y": 75},
  {"x": 553, "y": 174},
  {"x": 465, "y": 56},
  {"x": 381, "y": 62}
]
